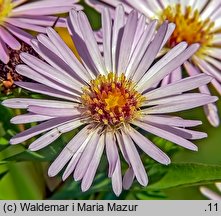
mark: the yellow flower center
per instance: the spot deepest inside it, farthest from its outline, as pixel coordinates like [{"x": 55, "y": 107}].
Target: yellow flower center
[
  {"x": 189, "y": 26},
  {"x": 5, "y": 8},
  {"x": 111, "y": 100}
]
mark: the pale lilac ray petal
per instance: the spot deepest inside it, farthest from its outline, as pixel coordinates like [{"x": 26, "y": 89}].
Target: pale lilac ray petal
[
  {"x": 158, "y": 66},
  {"x": 189, "y": 103},
  {"x": 42, "y": 89},
  {"x": 191, "y": 69},
  {"x": 141, "y": 26},
  {"x": 67, "y": 54},
  {"x": 43, "y": 127},
  {"x": 213, "y": 61},
  {"x": 128, "y": 178},
  {"x": 192, "y": 135},
  {"x": 19, "y": 33},
  {"x": 99, "y": 5},
  {"x": 183, "y": 98},
  {"x": 74, "y": 160},
  {"x": 215, "y": 16},
  {"x": 77, "y": 38},
  {"x": 210, "y": 110},
  {"x": 48, "y": 43},
  {"x": 160, "y": 69},
  {"x": 9, "y": 39},
  {"x": 145, "y": 10},
  {"x": 148, "y": 147},
  {"x": 176, "y": 75},
  {"x": 107, "y": 38},
  {"x": 45, "y": 140},
  {"x": 38, "y": 20},
  {"x": 166, "y": 59},
  {"x": 181, "y": 132},
  {"x": 51, "y": 136},
  {"x": 69, "y": 150},
  {"x": 111, "y": 151},
  {"x": 40, "y": 11},
  {"x": 117, "y": 34},
  {"x": 180, "y": 86},
  {"x": 211, "y": 7},
  {"x": 165, "y": 80},
  {"x": 50, "y": 3},
  {"x": 216, "y": 85},
  {"x": 151, "y": 52},
  {"x": 55, "y": 61},
  {"x": 208, "y": 68},
  {"x": 199, "y": 5},
  {"x": 18, "y": 2},
  {"x": 214, "y": 52},
  {"x": 91, "y": 43},
  {"x": 71, "y": 125},
  {"x": 154, "y": 5},
  {"x": 135, "y": 160},
  {"x": 163, "y": 3},
  {"x": 50, "y": 72},
  {"x": 170, "y": 29},
  {"x": 29, "y": 118},
  {"x": 19, "y": 24},
  {"x": 166, "y": 135},
  {"x": 140, "y": 48},
  {"x": 86, "y": 156},
  {"x": 216, "y": 39},
  {"x": 127, "y": 41},
  {"x": 3, "y": 52},
  {"x": 47, "y": 7},
  {"x": 117, "y": 178},
  {"x": 218, "y": 185},
  {"x": 24, "y": 70},
  {"x": 210, "y": 194},
  {"x": 121, "y": 145},
  {"x": 54, "y": 112},
  {"x": 23, "y": 103},
  {"x": 92, "y": 167},
  {"x": 171, "y": 120}
]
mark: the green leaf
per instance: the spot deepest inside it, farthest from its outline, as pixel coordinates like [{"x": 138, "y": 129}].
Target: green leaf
[
  {"x": 72, "y": 189},
  {"x": 23, "y": 181},
  {"x": 3, "y": 174},
  {"x": 3, "y": 162},
  {"x": 6, "y": 114},
  {"x": 11, "y": 151},
  {"x": 3, "y": 143},
  {"x": 185, "y": 174},
  {"x": 150, "y": 195},
  {"x": 27, "y": 156}
]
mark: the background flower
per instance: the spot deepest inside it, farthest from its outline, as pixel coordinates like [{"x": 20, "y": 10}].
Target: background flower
[
  {"x": 108, "y": 96},
  {"x": 196, "y": 22},
  {"x": 17, "y": 16}
]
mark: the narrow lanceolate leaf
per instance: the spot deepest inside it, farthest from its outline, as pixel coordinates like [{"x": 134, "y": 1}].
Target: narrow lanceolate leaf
[
  {"x": 3, "y": 174},
  {"x": 185, "y": 174}
]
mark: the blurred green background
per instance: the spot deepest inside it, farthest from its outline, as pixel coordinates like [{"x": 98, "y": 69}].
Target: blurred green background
[{"x": 23, "y": 175}]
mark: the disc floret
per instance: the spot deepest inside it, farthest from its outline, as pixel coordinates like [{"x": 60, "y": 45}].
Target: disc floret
[{"x": 111, "y": 100}]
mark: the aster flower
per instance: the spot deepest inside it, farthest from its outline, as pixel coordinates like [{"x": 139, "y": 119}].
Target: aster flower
[
  {"x": 16, "y": 16},
  {"x": 109, "y": 96},
  {"x": 211, "y": 194},
  {"x": 196, "y": 22}
]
